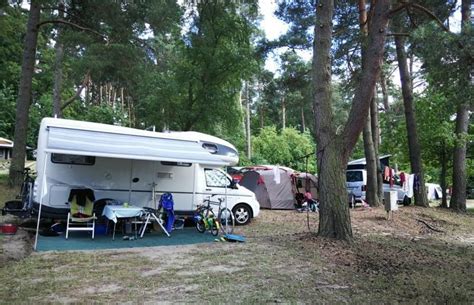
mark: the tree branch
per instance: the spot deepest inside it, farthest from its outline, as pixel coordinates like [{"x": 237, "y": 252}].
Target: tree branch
[
  {"x": 399, "y": 34},
  {"x": 78, "y": 91},
  {"x": 73, "y": 25},
  {"x": 397, "y": 10},
  {"x": 431, "y": 14},
  {"x": 420, "y": 8}
]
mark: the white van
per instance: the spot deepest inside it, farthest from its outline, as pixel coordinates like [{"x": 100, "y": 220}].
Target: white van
[
  {"x": 126, "y": 164},
  {"x": 356, "y": 185}
]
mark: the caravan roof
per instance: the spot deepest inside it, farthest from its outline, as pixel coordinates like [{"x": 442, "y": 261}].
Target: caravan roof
[{"x": 102, "y": 140}]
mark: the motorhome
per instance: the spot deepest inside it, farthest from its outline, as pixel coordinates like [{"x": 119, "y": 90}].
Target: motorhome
[{"x": 127, "y": 164}]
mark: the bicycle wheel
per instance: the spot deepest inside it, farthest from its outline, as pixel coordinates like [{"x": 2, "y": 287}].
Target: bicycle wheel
[
  {"x": 214, "y": 226},
  {"x": 201, "y": 226},
  {"x": 26, "y": 194},
  {"x": 200, "y": 220},
  {"x": 227, "y": 221}
]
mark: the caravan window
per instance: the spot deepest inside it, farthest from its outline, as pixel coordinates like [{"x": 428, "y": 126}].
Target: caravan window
[
  {"x": 216, "y": 178},
  {"x": 72, "y": 159},
  {"x": 168, "y": 163}
]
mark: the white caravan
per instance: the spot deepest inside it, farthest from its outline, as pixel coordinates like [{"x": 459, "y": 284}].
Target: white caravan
[{"x": 126, "y": 164}]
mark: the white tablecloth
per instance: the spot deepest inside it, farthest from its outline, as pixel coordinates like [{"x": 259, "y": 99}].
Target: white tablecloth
[{"x": 113, "y": 212}]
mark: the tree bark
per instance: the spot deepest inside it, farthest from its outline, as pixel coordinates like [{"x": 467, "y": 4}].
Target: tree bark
[
  {"x": 24, "y": 96},
  {"x": 365, "y": 89},
  {"x": 333, "y": 150},
  {"x": 442, "y": 177},
  {"x": 244, "y": 111},
  {"x": 334, "y": 217},
  {"x": 413, "y": 144},
  {"x": 371, "y": 158},
  {"x": 383, "y": 86},
  {"x": 458, "y": 197},
  {"x": 247, "y": 126},
  {"x": 374, "y": 120},
  {"x": 58, "y": 65},
  {"x": 303, "y": 125},
  {"x": 371, "y": 161},
  {"x": 283, "y": 113}
]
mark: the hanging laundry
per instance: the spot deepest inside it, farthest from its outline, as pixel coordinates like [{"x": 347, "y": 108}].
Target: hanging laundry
[
  {"x": 391, "y": 177},
  {"x": 276, "y": 174},
  {"x": 411, "y": 180},
  {"x": 386, "y": 173},
  {"x": 402, "y": 178}
]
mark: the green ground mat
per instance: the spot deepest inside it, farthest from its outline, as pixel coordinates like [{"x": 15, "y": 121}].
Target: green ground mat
[{"x": 82, "y": 240}]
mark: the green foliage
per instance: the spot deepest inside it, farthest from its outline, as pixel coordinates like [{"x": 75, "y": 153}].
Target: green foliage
[
  {"x": 287, "y": 148},
  {"x": 7, "y": 111},
  {"x": 12, "y": 29},
  {"x": 217, "y": 53}
]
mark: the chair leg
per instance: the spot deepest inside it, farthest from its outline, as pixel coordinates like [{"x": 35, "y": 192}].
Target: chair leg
[
  {"x": 93, "y": 226},
  {"x": 67, "y": 225}
]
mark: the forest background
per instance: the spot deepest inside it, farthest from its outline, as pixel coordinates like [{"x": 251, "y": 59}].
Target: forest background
[{"x": 201, "y": 66}]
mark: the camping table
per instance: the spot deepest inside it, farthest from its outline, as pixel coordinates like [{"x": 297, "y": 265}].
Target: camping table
[{"x": 114, "y": 212}]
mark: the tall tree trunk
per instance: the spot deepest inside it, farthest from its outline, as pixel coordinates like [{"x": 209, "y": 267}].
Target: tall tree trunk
[
  {"x": 458, "y": 198},
  {"x": 443, "y": 160},
  {"x": 303, "y": 125},
  {"x": 58, "y": 65},
  {"x": 334, "y": 217},
  {"x": 244, "y": 111},
  {"x": 374, "y": 120},
  {"x": 283, "y": 113},
  {"x": 333, "y": 150},
  {"x": 413, "y": 144},
  {"x": 24, "y": 95},
  {"x": 247, "y": 113},
  {"x": 383, "y": 86},
  {"x": 369, "y": 148},
  {"x": 121, "y": 99},
  {"x": 371, "y": 161}
]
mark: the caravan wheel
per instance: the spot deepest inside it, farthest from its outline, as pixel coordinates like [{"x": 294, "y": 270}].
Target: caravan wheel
[{"x": 242, "y": 213}]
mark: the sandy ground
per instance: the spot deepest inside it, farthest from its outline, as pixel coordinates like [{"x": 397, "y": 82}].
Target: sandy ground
[{"x": 421, "y": 255}]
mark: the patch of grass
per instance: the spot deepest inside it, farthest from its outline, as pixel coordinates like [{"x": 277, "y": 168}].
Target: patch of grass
[
  {"x": 401, "y": 270},
  {"x": 280, "y": 262}
]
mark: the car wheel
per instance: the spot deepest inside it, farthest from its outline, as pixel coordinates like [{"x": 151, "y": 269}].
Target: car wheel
[
  {"x": 243, "y": 214},
  {"x": 406, "y": 201}
]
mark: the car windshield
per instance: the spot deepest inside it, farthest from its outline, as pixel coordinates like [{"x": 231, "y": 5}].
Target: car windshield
[{"x": 353, "y": 176}]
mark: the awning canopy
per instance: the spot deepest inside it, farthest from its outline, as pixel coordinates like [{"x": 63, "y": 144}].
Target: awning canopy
[{"x": 98, "y": 143}]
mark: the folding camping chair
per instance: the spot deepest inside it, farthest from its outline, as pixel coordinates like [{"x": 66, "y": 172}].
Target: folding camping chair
[
  {"x": 150, "y": 215},
  {"x": 81, "y": 217}
]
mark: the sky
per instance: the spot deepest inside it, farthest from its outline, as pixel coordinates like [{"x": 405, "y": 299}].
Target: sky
[{"x": 274, "y": 28}]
